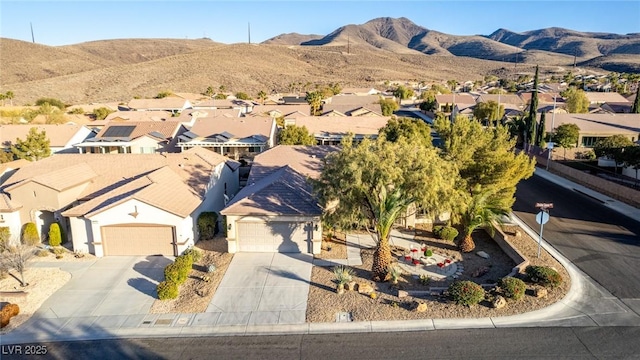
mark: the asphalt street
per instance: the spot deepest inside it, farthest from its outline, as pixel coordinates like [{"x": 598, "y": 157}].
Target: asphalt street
[
  {"x": 525, "y": 343},
  {"x": 601, "y": 242}
]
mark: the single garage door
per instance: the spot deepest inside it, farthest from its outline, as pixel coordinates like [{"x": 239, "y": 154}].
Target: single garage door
[
  {"x": 138, "y": 240},
  {"x": 286, "y": 237}
]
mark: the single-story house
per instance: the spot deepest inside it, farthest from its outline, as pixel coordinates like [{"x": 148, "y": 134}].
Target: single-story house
[
  {"x": 351, "y": 110},
  {"x": 276, "y": 111},
  {"x": 7, "y": 169},
  {"x": 330, "y": 130},
  {"x": 134, "y": 137},
  {"x": 277, "y": 211},
  {"x": 243, "y": 106},
  {"x": 596, "y": 97},
  {"x": 62, "y": 137},
  {"x": 445, "y": 100},
  {"x": 234, "y": 137},
  {"x": 360, "y": 91},
  {"x": 596, "y": 126},
  {"x": 121, "y": 204},
  {"x": 353, "y": 100}
]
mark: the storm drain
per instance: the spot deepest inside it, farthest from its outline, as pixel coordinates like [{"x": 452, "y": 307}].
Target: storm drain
[{"x": 343, "y": 317}]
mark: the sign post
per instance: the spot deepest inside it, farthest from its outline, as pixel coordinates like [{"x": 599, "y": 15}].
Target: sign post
[
  {"x": 542, "y": 218},
  {"x": 550, "y": 145}
]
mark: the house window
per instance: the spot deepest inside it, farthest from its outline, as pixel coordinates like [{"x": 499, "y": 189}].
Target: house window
[
  {"x": 590, "y": 141},
  {"x": 147, "y": 150}
]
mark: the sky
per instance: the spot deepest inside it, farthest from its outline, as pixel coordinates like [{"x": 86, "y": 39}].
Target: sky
[{"x": 69, "y": 22}]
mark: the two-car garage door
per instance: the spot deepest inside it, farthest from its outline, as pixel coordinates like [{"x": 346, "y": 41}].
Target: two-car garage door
[
  {"x": 138, "y": 240},
  {"x": 288, "y": 237}
]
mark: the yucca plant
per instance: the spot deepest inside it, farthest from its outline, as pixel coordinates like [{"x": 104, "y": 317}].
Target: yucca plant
[
  {"x": 343, "y": 275},
  {"x": 394, "y": 273}
]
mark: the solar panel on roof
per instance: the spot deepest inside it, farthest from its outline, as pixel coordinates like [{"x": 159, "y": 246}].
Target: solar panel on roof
[{"x": 118, "y": 131}]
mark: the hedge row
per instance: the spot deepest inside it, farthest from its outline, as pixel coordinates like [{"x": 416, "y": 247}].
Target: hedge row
[{"x": 176, "y": 273}]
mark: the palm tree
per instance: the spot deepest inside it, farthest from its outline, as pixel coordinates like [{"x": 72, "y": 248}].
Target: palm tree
[
  {"x": 315, "y": 100},
  {"x": 387, "y": 205},
  {"x": 483, "y": 210},
  {"x": 517, "y": 127},
  {"x": 262, "y": 96},
  {"x": 9, "y": 95}
]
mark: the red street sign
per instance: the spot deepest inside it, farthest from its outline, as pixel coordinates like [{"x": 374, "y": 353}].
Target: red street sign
[{"x": 544, "y": 205}]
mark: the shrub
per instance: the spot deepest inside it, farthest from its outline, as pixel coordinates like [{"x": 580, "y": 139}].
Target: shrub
[
  {"x": 395, "y": 272},
  {"x": 167, "y": 290},
  {"x": 195, "y": 254},
  {"x": 58, "y": 250},
  {"x": 513, "y": 288},
  {"x": 42, "y": 253},
  {"x": 543, "y": 275},
  {"x": 466, "y": 292},
  {"x": 55, "y": 238},
  {"x": 5, "y": 235},
  {"x": 53, "y": 102},
  {"x": 448, "y": 233},
  {"x": 30, "y": 234},
  {"x": 437, "y": 230},
  {"x": 184, "y": 264},
  {"x": 174, "y": 274},
  {"x": 343, "y": 274},
  {"x": 207, "y": 224},
  {"x": 428, "y": 253},
  {"x": 7, "y": 312}
]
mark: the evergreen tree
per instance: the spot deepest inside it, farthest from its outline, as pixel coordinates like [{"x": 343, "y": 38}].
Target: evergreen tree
[
  {"x": 34, "y": 147},
  {"x": 296, "y": 135},
  {"x": 533, "y": 111},
  {"x": 541, "y": 132},
  {"x": 636, "y": 104}
]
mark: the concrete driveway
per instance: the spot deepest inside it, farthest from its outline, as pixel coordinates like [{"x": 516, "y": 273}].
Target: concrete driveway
[
  {"x": 261, "y": 288},
  {"x": 108, "y": 288}
]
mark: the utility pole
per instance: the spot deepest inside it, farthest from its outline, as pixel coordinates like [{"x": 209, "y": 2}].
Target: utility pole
[
  {"x": 249, "y": 30},
  {"x": 33, "y": 39}
]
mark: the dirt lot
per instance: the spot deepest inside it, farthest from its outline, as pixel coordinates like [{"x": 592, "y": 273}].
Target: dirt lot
[
  {"x": 195, "y": 293},
  {"x": 324, "y": 302}
]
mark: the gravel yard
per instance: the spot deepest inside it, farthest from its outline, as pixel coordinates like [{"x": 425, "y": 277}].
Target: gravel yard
[{"x": 324, "y": 303}]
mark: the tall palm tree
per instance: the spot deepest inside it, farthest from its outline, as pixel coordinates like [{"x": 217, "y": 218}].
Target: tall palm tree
[
  {"x": 315, "y": 100},
  {"x": 385, "y": 206},
  {"x": 483, "y": 210}
]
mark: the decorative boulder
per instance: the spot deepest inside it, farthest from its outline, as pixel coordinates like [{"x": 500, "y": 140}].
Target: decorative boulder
[
  {"x": 364, "y": 288},
  {"x": 482, "y": 270},
  {"x": 483, "y": 254},
  {"x": 351, "y": 285},
  {"x": 402, "y": 294},
  {"x": 499, "y": 302},
  {"x": 540, "y": 292},
  {"x": 420, "y": 307}
]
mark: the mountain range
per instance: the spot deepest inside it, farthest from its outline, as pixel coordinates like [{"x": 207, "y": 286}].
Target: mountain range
[{"x": 383, "y": 49}]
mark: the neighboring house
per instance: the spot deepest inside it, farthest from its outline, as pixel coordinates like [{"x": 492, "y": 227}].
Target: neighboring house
[
  {"x": 353, "y": 100},
  {"x": 509, "y": 101},
  {"x": 7, "y": 169},
  {"x": 351, "y": 110},
  {"x": 617, "y": 107},
  {"x": 172, "y": 104},
  {"x": 445, "y": 100},
  {"x": 242, "y": 106},
  {"x": 604, "y": 97},
  {"x": 122, "y": 204},
  {"x": 543, "y": 98},
  {"x": 152, "y": 115},
  {"x": 276, "y": 111},
  {"x": 294, "y": 100},
  {"x": 233, "y": 137},
  {"x": 597, "y": 126},
  {"x": 62, "y": 138},
  {"x": 330, "y": 130},
  {"x": 142, "y": 137},
  {"x": 277, "y": 211}
]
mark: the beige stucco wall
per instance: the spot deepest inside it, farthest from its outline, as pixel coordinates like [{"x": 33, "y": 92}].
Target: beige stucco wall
[
  {"x": 232, "y": 225},
  {"x": 87, "y": 234},
  {"x": 12, "y": 221}
]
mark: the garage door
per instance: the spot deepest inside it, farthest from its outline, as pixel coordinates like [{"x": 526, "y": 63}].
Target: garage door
[
  {"x": 138, "y": 240},
  {"x": 285, "y": 237}
]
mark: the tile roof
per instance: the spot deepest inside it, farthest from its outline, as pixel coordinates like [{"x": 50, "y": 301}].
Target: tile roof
[
  {"x": 112, "y": 171},
  {"x": 336, "y": 126},
  {"x": 161, "y": 188},
  {"x": 350, "y": 109},
  {"x": 155, "y": 115},
  {"x": 240, "y": 128},
  {"x": 58, "y": 135},
  {"x": 283, "y": 192},
  {"x": 599, "y": 124},
  {"x": 504, "y": 99},
  {"x": 264, "y": 110},
  {"x": 602, "y": 97},
  {"x": 12, "y": 165},
  {"x": 459, "y": 98},
  {"x": 306, "y": 160},
  {"x": 543, "y": 98},
  {"x": 355, "y": 100}
]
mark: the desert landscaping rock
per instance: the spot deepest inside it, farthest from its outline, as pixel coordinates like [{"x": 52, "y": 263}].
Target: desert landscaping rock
[
  {"x": 499, "y": 302},
  {"x": 483, "y": 254},
  {"x": 421, "y": 307},
  {"x": 540, "y": 292}
]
